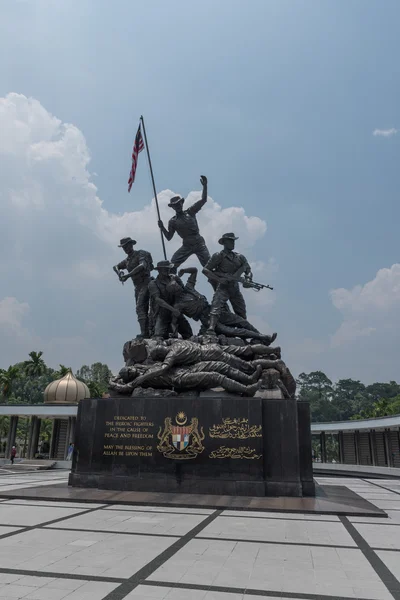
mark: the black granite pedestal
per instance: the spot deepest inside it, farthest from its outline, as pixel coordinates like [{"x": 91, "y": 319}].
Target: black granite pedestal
[{"x": 210, "y": 445}]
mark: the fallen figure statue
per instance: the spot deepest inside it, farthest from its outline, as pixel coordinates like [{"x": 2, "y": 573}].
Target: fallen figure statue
[{"x": 202, "y": 376}]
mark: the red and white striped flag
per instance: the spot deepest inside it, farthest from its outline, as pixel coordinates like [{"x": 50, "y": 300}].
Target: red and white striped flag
[{"x": 138, "y": 146}]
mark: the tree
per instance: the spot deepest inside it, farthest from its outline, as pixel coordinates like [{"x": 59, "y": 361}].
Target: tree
[
  {"x": 317, "y": 389},
  {"x": 4, "y": 429},
  {"x": 381, "y": 408},
  {"x": 382, "y": 390},
  {"x": 46, "y": 428},
  {"x": 62, "y": 371},
  {"x": 95, "y": 389},
  {"x": 97, "y": 373},
  {"x": 315, "y": 382},
  {"x": 35, "y": 366},
  {"x": 29, "y": 390},
  {"x": 349, "y": 396},
  {"x": 7, "y": 379}
]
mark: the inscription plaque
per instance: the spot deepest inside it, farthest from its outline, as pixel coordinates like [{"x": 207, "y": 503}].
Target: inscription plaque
[{"x": 205, "y": 445}]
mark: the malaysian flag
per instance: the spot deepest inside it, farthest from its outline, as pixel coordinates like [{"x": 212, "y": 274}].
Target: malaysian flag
[{"x": 138, "y": 146}]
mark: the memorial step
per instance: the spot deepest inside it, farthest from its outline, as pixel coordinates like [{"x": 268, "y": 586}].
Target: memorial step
[{"x": 29, "y": 465}]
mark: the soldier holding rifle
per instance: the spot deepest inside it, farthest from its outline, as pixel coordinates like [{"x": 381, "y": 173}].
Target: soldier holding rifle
[
  {"x": 226, "y": 269},
  {"x": 194, "y": 305}
]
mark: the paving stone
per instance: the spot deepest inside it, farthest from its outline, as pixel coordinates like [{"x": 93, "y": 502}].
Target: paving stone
[{"x": 275, "y": 552}]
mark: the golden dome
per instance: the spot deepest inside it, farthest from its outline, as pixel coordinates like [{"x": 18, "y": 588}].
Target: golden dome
[{"x": 67, "y": 390}]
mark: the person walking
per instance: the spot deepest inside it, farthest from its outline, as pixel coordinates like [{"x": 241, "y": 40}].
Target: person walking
[
  {"x": 13, "y": 454},
  {"x": 70, "y": 451}
]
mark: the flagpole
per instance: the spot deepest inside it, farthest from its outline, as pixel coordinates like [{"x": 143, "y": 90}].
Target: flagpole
[{"x": 154, "y": 185}]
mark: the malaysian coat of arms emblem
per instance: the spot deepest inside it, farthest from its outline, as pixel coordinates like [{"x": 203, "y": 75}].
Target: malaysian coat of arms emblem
[{"x": 181, "y": 441}]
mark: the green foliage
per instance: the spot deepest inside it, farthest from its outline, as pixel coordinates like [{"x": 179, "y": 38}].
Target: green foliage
[
  {"x": 315, "y": 382},
  {"x": 376, "y": 391},
  {"x": 317, "y": 388},
  {"x": 96, "y": 378},
  {"x": 347, "y": 398},
  {"x": 22, "y": 435},
  {"x": 46, "y": 426},
  {"x": 7, "y": 380},
  {"x": 29, "y": 390},
  {"x": 96, "y": 390},
  {"x": 332, "y": 447},
  {"x": 24, "y": 383},
  {"x": 381, "y": 408},
  {"x": 4, "y": 426},
  {"x": 35, "y": 366},
  {"x": 62, "y": 371}
]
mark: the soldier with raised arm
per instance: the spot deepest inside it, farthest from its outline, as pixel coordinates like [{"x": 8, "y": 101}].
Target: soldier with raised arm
[
  {"x": 139, "y": 265},
  {"x": 184, "y": 223},
  {"x": 225, "y": 268}
]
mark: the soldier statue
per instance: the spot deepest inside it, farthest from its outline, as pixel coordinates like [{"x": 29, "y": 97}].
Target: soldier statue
[
  {"x": 194, "y": 305},
  {"x": 226, "y": 268},
  {"x": 201, "y": 376},
  {"x": 161, "y": 300},
  {"x": 180, "y": 353},
  {"x": 184, "y": 223},
  {"x": 139, "y": 265}
]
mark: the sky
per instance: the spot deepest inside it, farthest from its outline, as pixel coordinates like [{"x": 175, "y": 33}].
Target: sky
[{"x": 292, "y": 110}]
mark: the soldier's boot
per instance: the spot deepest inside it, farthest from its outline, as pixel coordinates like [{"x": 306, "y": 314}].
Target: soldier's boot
[
  {"x": 212, "y": 324},
  {"x": 238, "y": 388},
  {"x": 242, "y": 377},
  {"x": 144, "y": 328},
  {"x": 268, "y": 339}
]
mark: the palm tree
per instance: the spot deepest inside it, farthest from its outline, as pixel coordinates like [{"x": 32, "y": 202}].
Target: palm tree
[
  {"x": 62, "y": 371},
  {"x": 7, "y": 378},
  {"x": 36, "y": 365}
]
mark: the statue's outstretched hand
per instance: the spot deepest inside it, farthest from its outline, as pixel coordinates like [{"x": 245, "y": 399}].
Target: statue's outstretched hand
[
  {"x": 190, "y": 270},
  {"x": 203, "y": 180},
  {"x": 160, "y": 224}
]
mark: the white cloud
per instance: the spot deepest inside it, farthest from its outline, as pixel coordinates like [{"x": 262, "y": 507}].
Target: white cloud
[
  {"x": 349, "y": 331},
  {"x": 385, "y": 132},
  {"x": 12, "y": 313},
  {"x": 378, "y": 295},
  {"x": 58, "y": 243},
  {"x": 372, "y": 308}
]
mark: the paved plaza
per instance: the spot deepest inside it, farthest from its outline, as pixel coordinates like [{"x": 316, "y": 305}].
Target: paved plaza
[{"x": 78, "y": 551}]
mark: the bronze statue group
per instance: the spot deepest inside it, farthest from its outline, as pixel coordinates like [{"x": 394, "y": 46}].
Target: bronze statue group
[{"x": 228, "y": 352}]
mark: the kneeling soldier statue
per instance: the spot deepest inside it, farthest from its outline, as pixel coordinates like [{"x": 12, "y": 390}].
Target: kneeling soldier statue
[{"x": 162, "y": 291}]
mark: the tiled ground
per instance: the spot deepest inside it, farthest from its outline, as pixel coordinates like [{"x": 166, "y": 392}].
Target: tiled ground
[{"x": 77, "y": 551}]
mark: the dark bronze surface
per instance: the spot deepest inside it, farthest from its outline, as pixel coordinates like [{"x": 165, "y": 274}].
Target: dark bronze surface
[{"x": 213, "y": 445}]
